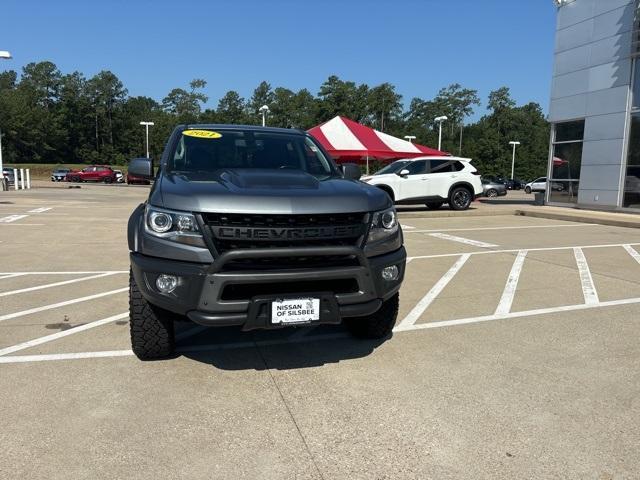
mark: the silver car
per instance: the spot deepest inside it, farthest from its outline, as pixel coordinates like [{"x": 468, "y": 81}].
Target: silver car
[
  {"x": 59, "y": 174},
  {"x": 493, "y": 189}
]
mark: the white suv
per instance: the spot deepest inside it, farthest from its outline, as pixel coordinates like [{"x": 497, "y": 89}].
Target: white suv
[{"x": 433, "y": 181}]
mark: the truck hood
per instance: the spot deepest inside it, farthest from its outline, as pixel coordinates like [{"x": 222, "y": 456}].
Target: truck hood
[{"x": 264, "y": 191}]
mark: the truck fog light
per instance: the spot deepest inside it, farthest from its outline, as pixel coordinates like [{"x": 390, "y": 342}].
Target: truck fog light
[
  {"x": 390, "y": 273},
  {"x": 166, "y": 283}
]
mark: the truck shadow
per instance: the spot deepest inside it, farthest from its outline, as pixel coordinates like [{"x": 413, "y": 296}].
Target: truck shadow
[{"x": 287, "y": 349}]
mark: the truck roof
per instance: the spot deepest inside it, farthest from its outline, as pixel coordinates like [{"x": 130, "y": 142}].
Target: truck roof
[{"x": 226, "y": 126}]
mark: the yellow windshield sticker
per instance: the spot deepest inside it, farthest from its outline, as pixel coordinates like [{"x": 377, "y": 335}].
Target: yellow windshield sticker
[{"x": 202, "y": 133}]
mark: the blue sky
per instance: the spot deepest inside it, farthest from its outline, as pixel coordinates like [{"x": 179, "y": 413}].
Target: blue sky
[{"x": 418, "y": 45}]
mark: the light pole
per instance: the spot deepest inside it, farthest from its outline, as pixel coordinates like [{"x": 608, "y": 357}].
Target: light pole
[
  {"x": 146, "y": 127},
  {"x": 5, "y": 56},
  {"x": 439, "y": 120},
  {"x": 264, "y": 110},
  {"x": 513, "y": 158},
  {"x": 411, "y": 138}
]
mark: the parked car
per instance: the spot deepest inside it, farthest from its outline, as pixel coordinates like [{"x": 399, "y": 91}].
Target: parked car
[
  {"x": 493, "y": 189},
  {"x": 135, "y": 179},
  {"x": 540, "y": 185},
  {"x": 513, "y": 184},
  {"x": 94, "y": 173},
  {"x": 8, "y": 174},
  {"x": 537, "y": 185},
  {"x": 432, "y": 181},
  {"x": 59, "y": 174},
  {"x": 119, "y": 176}
]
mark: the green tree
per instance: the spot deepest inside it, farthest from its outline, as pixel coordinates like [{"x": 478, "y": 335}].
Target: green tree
[
  {"x": 231, "y": 108},
  {"x": 186, "y": 104},
  {"x": 338, "y": 97}
]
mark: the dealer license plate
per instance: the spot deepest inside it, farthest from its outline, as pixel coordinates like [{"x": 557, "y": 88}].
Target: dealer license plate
[{"x": 295, "y": 310}]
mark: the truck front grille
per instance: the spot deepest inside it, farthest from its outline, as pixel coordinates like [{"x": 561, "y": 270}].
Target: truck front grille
[{"x": 241, "y": 232}]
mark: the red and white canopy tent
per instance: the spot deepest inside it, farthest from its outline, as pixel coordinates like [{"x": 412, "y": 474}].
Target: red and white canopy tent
[{"x": 346, "y": 140}]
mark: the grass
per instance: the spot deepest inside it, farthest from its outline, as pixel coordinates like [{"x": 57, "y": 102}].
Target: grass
[{"x": 42, "y": 171}]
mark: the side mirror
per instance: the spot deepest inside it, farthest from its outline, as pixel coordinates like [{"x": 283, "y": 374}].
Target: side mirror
[
  {"x": 351, "y": 171},
  {"x": 141, "y": 167},
  {"x": 403, "y": 173}
]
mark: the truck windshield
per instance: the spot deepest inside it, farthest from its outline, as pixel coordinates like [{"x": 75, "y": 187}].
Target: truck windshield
[
  {"x": 393, "y": 168},
  {"x": 208, "y": 151}
]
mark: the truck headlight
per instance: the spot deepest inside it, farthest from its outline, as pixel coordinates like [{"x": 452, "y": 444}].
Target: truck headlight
[
  {"x": 383, "y": 225},
  {"x": 171, "y": 225}
]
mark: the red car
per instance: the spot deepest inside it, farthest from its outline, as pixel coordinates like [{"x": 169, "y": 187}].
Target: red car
[
  {"x": 94, "y": 173},
  {"x": 132, "y": 179}
]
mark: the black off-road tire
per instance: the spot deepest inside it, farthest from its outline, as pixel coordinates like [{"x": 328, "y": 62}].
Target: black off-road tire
[
  {"x": 152, "y": 334},
  {"x": 434, "y": 205},
  {"x": 377, "y": 325}
]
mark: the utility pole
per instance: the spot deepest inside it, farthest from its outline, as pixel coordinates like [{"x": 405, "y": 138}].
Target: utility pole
[
  {"x": 439, "y": 120},
  {"x": 5, "y": 56},
  {"x": 146, "y": 127},
  {"x": 513, "y": 158}
]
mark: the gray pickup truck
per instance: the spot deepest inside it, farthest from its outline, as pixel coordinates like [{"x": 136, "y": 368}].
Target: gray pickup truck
[{"x": 257, "y": 227}]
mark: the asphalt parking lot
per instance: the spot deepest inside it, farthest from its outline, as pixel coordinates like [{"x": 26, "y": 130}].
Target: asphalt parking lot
[{"x": 515, "y": 355}]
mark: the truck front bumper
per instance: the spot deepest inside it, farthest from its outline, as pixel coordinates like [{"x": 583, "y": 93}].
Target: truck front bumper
[{"x": 212, "y": 296}]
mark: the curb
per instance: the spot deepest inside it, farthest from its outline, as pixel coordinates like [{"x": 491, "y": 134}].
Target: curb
[{"x": 584, "y": 218}]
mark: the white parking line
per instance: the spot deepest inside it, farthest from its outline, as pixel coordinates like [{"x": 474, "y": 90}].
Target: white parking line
[
  {"x": 588, "y": 287},
  {"x": 248, "y": 344},
  {"x": 524, "y": 313},
  {"x": 467, "y": 241},
  {"x": 40, "y": 210},
  {"x": 65, "y": 356},
  {"x": 88, "y": 272},
  {"x": 516, "y": 250},
  {"x": 478, "y": 229},
  {"x": 65, "y": 333},
  {"x": 407, "y": 227},
  {"x": 56, "y": 284},
  {"x": 424, "y": 303},
  {"x": 186, "y": 349},
  {"x": 512, "y": 284},
  {"x": 9, "y": 275},
  {"x": 60, "y": 304},
  {"x": 12, "y": 218},
  {"x": 631, "y": 251}
]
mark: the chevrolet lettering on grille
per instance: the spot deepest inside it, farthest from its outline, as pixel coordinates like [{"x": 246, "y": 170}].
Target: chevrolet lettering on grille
[{"x": 305, "y": 233}]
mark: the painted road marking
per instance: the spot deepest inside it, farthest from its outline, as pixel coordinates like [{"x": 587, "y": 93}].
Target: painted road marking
[
  {"x": 524, "y": 313},
  {"x": 40, "y": 210},
  {"x": 12, "y": 218},
  {"x": 407, "y": 227},
  {"x": 60, "y": 304},
  {"x": 424, "y": 303},
  {"x": 65, "y": 356},
  {"x": 631, "y": 251},
  {"x": 65, "y": 333},
  {"x": 467, "y": 241},
  {"x": 56, "y": 284},
  {"x": 9, "y": 275},
  {"x": 336, "y": 336},
  {"x": 491, "y": 252},
  {"x": 478, "y": 229},
  {"x": 88, "y": 272},
  {"x": 512, "y": 284},
  {"x": 588, "y": 288}
]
